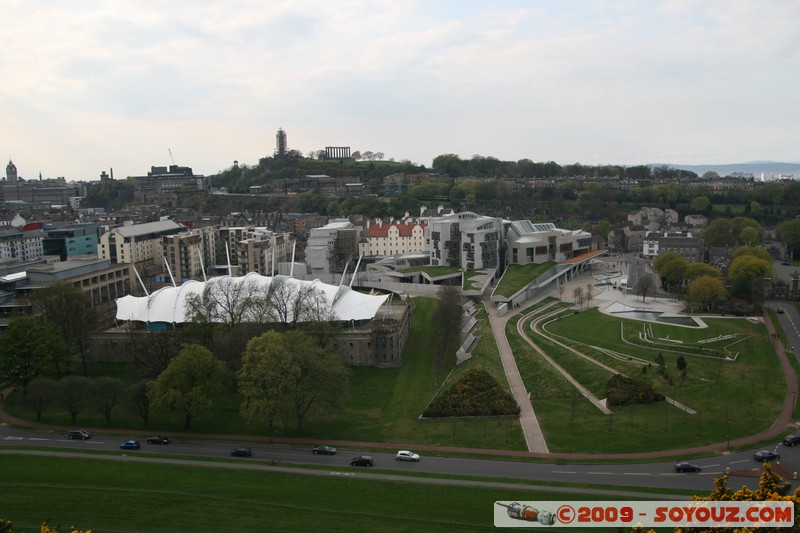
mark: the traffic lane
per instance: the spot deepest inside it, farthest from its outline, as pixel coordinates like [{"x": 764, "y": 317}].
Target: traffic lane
[{"x": 660, "y": 474}]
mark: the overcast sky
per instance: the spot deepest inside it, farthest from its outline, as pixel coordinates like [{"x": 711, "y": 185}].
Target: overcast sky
[{"x": 93, "y": 85}]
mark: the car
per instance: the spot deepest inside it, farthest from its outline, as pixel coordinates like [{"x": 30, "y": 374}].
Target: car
[
  {"x": 786, "y": 263},
  {"x": 130, "y": 445},
  {"x": 405, "y": 455},
  {"x": 766, "y": 455},
  {"x": 79, "y": 434},
  {"x": 157, "y": 439},
  {"x": 687, "y": 467},
  {"x": 242, "y": 452},
  {"x": 323, "y": 449},
  {"x": 791, "y": 440},
  {"x": 361, "y": 460},
  {"x": 780, "y": 310}
]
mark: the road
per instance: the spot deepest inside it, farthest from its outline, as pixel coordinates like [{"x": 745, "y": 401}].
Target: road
[{"x": 744, "y": 469}]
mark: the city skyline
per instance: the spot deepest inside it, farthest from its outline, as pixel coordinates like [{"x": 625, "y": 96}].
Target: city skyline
[{"x": 125, "y": 86}]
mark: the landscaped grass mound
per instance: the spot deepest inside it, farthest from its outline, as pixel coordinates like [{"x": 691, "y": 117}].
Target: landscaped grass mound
[
  {"x": 477, "y": 393},
  {"x": 623, "y": 390}
]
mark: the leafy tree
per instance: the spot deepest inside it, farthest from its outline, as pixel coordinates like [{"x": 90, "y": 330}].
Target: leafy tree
[
  {"x": 747, "y": 275},
  {"x": 41, "y": 395},
  {"x": 761, "y": 253},
  {"x": 771, "y": 487},
  {"x": 671, "y": 267},
  {"x": 106, "y": 394},
  {"x": 706, "y": 293},
  {"x": 26, "y": 348},
  {"x": 289, "y": 371},
  {"x": 70, "y": 310},
  {"x": 682, "y": 365},
  {"x": 700, "y": 204},
  {"x": 698, "y": 270},
  {"x": 789, "y": 234},
  {"x": 192, "y": 378},
  {"x": 476, "y": 393},
  {"x": 73, "y": 392}
]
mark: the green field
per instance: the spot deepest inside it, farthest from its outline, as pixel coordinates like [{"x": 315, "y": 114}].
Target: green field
[
  {"x": 112, "y": 497},
  {"x": 517, "y": 277}
]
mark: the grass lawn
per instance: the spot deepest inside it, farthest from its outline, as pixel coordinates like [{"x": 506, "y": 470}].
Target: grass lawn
[
  {"x": 729, "y": 398},
  {"x": 383, "y": 405},
  {"x": 518, "y": 276},
  {"x": 432, "y": 271},
  {"x": 111, "y": 497}
]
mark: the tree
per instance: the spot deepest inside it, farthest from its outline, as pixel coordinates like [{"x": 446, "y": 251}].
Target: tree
[
  {"x": 138, "y": 400},
  {"x": 26, "y": 348},
  {"x": 288, "y": 371},
  {"x": 789, "y": 234},
  {"x": 446, "y": 322},
  {"x": 188, "y": 384},
  {"x": 70, "y": 310},
  {"x": 682, "y": 366},
  {"x": 706, "y": 293},
  {"x": 747, "y": 275},
  {"x": 41, "y": 395},
  {"x": 73, "y": 392},
  {"x": 698, "y": 270},
  {"x": 105, "y": 394},
  {"x": 577, "y": 293},
  {"x": 700, "y": 204},
  {"x": 356, "y": 155},
  {"x": 224, "y": 301},
  {"x": 644, "y": 285}
]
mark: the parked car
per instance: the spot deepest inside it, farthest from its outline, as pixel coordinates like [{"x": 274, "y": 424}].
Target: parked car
[
  {"x": 766, "y": 455},
  {"x": 242, "y": 452},
  {"x": 130, "y": 445},
  {"x": 687, "y": 467},
  {"x": 157, "y": 439},
  {"x": 405, "y": 455},
  {"x": 79, "y": 434},
  {"x": 361, "y": 460},
  {"x": 323, "y": 449},
  {"x": 791, "y": 440}
]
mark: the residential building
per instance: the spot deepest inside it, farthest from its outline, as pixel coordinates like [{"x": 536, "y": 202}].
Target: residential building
[
  {"x": 189, "y": 253},
  {"x": 20, "y": 245},
  {"x": 261, "y": 250},
  {"x": 138, "y": 244},
  {"x": 691, "y": 248},
  {"x": 696, "y": 221},
  {"x": 393, "y": 238}
]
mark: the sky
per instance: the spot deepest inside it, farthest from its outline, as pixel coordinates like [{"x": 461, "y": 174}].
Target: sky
[{"x": 97, "y": 85}]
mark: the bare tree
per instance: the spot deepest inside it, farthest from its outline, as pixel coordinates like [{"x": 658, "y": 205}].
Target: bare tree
[
  {"x": 644, "y": 286},
  {"x": 41, "y": 395},
  {"x": 225, "y": 300},
  {"x": 446, "y": 323},
  {"x": 577, "y": 293}
]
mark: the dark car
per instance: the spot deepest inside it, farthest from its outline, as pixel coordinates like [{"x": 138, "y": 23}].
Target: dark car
[
  {"x": 323, "y": 449},
  {"x": 79, "y": 434},
  {"x": 157, "y": 439},
  {"x": 361, "y": 460},
  {"x": 130, "y": 445},
  {"x": 242, "y": 452},
  {"x": 791, "y": 440},
  {"x": 687, "y": 467},
  {"x": 766, "y": 455},
  {"x": 780, "y": 310}
]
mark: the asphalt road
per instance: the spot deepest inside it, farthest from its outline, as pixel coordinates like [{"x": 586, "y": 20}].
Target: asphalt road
[{"x": 744, "y": 469}]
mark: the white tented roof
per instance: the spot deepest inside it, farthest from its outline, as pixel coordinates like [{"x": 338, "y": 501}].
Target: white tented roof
[{"x": 168, "y": 304}]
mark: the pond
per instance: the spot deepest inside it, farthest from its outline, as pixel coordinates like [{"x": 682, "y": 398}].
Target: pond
[{"x": 655, "y": 316}]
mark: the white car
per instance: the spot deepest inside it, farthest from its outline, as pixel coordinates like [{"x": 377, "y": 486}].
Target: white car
[{"x": 405, "y": 455}]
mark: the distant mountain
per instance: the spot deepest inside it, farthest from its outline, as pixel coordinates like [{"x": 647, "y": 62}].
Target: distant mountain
[{"x": 756, "y": 168}]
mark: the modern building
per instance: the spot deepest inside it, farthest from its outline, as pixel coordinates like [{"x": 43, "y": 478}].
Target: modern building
[
  {"x": 331, "y": 247},
  {"x": 466, "y": 240},
  {"x": 261, "y": 250},
  {"x": 72, "y": 240},
  {"x": 189, "y": 254},
  {"x": 529, "y": 243}
]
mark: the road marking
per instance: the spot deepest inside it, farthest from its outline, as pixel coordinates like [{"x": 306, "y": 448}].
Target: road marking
[
  {"x": 564, "y": 472},
  {"x": 600, "y": 473},
  {"x": 636, "y": 473},
  {"x": 36, "y": 438},
  {"x": 742, "y": 461},
  {"x": 14, "y": 438}
]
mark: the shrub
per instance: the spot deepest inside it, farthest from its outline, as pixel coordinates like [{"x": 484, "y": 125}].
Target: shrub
[
  {"x": 477, "y": 393},
  {"x": 623, "y": 390}
]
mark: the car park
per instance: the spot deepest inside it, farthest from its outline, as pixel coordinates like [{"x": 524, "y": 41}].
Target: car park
[
  {"x": 323, "y": 449},
  {"x": 405, "y": 455},
  {"x": 791, "y": 440},
  {"x": 766, "y": 455},
  {"x": 242, "y": 452},
  {"x": 361, "y": 460},
  {"x": 687, "y": 467},
  {"x": 79, "y": 434},
  {"x": 130, "y": 445},
  {"x": 157, "y": 439}
]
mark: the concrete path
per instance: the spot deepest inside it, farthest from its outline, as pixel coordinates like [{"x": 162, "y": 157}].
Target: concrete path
[{"x": 534, "y": 438}]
